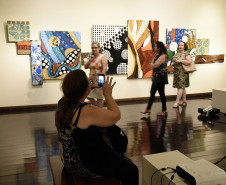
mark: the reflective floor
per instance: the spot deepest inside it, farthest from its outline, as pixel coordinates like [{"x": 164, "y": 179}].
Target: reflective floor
[{"x": 28, "y": 139}]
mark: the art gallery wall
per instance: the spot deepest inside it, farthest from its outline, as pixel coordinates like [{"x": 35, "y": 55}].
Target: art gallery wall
[{"x": 207, "y": 16}]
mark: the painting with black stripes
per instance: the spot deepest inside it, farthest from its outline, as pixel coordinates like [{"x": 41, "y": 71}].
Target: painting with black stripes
[{"x": 114, "y": 43}]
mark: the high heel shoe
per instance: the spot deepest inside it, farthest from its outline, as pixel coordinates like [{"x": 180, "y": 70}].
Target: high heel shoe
[
  {"x": 176, "y": 105},
  {"x": 146, "y": 112}
]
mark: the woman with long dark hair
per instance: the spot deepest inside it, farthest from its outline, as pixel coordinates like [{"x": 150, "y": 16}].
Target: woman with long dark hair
[
  {"x": 86, "y": 150},
  {"x": 159, "y": 77}
]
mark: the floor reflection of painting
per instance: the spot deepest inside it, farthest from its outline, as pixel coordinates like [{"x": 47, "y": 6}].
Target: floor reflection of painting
[{"x": 141, "y": 38}]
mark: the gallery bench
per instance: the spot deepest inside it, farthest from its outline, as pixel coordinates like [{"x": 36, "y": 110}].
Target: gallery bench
[{"x": 62, "y": 177}]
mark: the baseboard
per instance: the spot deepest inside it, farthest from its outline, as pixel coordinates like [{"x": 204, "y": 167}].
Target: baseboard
[{"x": 49, "y": 107}]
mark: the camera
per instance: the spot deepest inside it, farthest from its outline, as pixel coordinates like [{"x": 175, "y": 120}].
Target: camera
[
  {"x": 101, "y": 79},
  {"x": 208, "y": 111}
]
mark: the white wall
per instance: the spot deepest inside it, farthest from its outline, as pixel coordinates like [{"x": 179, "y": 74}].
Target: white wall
[{"x": 207, "y": 16}]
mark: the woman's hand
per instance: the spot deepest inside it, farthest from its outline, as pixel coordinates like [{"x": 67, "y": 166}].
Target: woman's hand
[
  {"x": 91, "y": 57},
  {"x": 108, "y": 86}
]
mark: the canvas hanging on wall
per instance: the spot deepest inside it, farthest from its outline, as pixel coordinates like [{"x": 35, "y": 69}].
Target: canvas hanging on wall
[
  {"x": 18, "y": 31},
  {"x": 36, "y": 62},
  {"x": 202, "y": 46},
  {"x": 205, "y": 59},
  {"x": 85, "y": 57},
  {"x": 141, "y": 38},
  {"x": 174, "y": 37},
  {"x": 60, "y": 53},
  {"x": 114, "y": 43},
  {"x": 24, "y": 48}
]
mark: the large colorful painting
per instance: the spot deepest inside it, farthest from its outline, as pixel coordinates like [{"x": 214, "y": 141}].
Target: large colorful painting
[
  {"x": 18, "y": 31},
  {"x": 36, "y": 62},
  {"x": 24, "y": 48},
  {"x": 204, "y": 59},
  {"x": 114, "y": 43},
  {"x": 141, "y": 38},
  {"x": 60, "y": 53},
  {"x": 174, "y": 37},
  {"x": 202, "y": 46}
]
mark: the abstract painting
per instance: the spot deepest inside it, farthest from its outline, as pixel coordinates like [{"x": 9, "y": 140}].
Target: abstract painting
[
  {"x": 204, "y": 59},
  {"x": 18, "y": 31},
  {"x": 202, "y": 46},
  {"x": 85, "y": 57},
  {"x": 36, "y": 62},
  {"x": 24, "y": 48},
  {"x": 114, "y": 43},
  {"x": 174, "y": 37},
  {"x": 60, "y": 53},
  {"x": 141, "y": 38}
]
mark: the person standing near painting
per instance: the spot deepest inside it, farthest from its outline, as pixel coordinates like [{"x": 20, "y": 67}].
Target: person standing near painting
[
  {"x": 97, "y": 64},
  {"x": 159, "y": 77},
  {"x": 180, "y": 78}
]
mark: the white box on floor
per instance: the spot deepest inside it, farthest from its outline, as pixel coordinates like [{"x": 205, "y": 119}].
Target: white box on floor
[
  {"x": 153, "y": 162},
  {"x": 219, "y": 99}
]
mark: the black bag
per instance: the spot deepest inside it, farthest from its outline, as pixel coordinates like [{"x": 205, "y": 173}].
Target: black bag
[
  {"x": 118, "y": 139},
  {"x": 161, "y": 78}
]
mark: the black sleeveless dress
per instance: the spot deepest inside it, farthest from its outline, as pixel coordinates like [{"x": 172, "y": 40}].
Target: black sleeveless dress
[{"x": 82, "y": 147}]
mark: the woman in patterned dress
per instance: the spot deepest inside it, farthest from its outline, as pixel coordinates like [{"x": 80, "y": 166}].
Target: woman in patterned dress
[
  {"x": 180, "y": 78},
  {"x": 97, "y": 64}
]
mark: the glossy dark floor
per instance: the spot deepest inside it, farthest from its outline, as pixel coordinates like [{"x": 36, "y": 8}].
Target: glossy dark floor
[{"x": 28, "y": 139}]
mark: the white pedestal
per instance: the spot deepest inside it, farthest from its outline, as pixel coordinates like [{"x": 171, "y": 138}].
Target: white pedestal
[
  {"x": 219, "y": 99},
  {"x": 151, "y": 163}
]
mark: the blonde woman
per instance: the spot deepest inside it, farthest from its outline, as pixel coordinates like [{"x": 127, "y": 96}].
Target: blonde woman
[{"x": 97, "y": 64}]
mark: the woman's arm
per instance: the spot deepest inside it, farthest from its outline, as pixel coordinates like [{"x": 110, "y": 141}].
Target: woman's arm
[
  {"x": 91, "y": 57},
  {"x": 158, "y": 62},
  {"x": 105, "y": 64},
  {"x": 188, "y": 60},
  {"x": 93, "y": 115}
]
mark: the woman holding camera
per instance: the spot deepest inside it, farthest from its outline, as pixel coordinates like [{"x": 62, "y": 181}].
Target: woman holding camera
[
  {"x": 180, "y": 78},
  {"x": 159, "y": 78},
  {"x": 86, "y": 151},
  {"x": 97, "y": 64}
]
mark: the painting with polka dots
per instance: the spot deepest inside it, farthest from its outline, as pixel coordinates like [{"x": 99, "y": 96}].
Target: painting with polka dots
[
  {"x": 114, "y": 43},
  {"x": 142, "y": 34},
  {"x": 36, "y": 62},
  {"x": 61, "y": 52},
  {"x": 173, "y": 37}
]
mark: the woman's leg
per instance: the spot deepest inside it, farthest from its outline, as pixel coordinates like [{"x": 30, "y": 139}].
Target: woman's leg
[
  {"x": 184, "y": 99},
  {"x": 161, "y": 90},
  {"x": 179, "y": 95},
  {"x": 152, "y": 97},
  {"x": 119, "y": 167}
]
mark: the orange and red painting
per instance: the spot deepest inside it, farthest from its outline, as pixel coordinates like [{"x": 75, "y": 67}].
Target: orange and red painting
[{"x": 141, "y": 38}]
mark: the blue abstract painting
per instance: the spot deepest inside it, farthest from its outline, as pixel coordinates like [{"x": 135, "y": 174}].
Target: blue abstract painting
[
  {"x": 61, "y": 53},
  {"x": 36, "y": 62}
]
